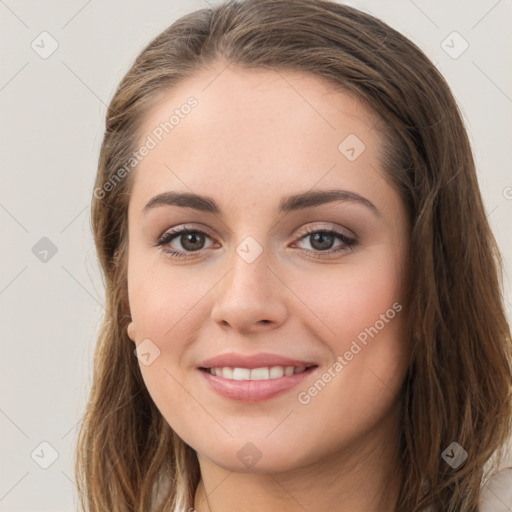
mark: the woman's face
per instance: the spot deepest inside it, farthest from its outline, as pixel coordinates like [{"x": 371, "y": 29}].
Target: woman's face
[{"x": 273, "y": 274}]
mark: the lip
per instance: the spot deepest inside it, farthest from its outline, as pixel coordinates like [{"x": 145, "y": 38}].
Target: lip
[
  {"x": 254, "y": 390},
  {"x": 248, "y": 391},
  {"x": 264, "y": 359}
]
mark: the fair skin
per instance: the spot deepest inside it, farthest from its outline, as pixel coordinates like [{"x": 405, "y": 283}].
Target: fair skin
[{"x": 253, "y": 138}]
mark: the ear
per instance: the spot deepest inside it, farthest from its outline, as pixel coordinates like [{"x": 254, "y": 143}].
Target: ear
[{"x": 131, "y": 331}]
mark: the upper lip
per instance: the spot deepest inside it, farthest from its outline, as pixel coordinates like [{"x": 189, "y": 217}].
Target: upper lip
[{"x": 233, "y": 360}]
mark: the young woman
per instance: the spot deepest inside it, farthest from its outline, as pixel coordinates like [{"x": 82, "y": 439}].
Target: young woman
[{"x": 303, "y": 294}]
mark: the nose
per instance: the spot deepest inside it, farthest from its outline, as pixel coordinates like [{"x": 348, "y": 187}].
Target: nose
[{"x": 250, "y": 297}]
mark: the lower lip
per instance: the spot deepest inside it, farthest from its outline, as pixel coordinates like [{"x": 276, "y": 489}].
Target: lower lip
[{"x": 254, "y": 390}]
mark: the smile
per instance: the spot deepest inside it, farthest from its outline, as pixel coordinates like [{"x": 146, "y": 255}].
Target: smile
[
  {"x": 265, "y": 373},
  {"x": 256, "y": 384}
]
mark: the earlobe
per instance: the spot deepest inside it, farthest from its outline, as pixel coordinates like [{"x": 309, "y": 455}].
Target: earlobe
[{"x": 131, "y": 331}]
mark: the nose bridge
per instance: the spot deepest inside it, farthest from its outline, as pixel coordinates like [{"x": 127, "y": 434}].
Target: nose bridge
[
  {"x": 249, "y": 274},
  {"x": 249, "y": 292}
]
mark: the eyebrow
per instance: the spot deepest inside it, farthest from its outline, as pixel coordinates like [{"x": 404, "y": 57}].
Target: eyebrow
[{"x": 290, "y": 203}]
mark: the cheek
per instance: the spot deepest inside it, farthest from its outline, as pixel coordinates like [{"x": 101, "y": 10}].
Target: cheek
[
  {"x": 162, "y": 298},
  {"x": 165, "y": 309},
  {"x": 350, "y": 298},
  {"x": 363, "y": 324}
]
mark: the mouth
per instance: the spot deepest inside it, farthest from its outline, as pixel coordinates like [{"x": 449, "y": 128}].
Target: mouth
[
  {"x": 252, "y": 374},
  {"x": 249, "y": 385}
]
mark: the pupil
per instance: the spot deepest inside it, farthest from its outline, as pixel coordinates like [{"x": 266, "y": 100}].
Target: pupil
[
  {"x": 320, "y": 236},
  {"x": 190, "y": 237}
]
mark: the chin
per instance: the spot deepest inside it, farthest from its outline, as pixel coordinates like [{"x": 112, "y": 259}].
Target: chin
[{"x": 253, "y": 456}]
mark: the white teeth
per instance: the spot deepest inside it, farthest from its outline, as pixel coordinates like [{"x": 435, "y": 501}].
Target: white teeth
[
  {"x": 227, "y": 373},
  {"x": 265, "y": 373},
  {"x": 260, "y": 374},
  {"x": 241, "y": 374},
  {"x": 276, "y": 372}
]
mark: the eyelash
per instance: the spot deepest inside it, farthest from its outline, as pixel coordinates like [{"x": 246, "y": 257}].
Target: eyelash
[{"x": 170, "y": 235}]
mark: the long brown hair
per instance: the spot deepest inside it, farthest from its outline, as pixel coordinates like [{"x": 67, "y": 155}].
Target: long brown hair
[{"x": 458, "y": 386}]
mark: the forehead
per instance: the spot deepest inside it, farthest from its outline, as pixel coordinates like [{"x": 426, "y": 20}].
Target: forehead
[
  {"x": 262, "y": 129},
  {"x": 232, "y": 96}
]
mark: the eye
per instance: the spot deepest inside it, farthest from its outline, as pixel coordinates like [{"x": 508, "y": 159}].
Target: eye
[
  {"x": 322, "y": 241},
  {"x": 191, "y": 240}
]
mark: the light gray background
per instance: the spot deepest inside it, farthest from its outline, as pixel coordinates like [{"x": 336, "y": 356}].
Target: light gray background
[{"x": 52, "y": 119}]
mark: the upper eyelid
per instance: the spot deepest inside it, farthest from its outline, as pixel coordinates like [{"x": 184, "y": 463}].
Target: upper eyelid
[
  {"x": 184, "y": 228},
  {"x": 180, "y": 229}
]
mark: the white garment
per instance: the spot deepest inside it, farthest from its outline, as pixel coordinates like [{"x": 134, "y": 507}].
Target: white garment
[{"x": 496, "y": 494}]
